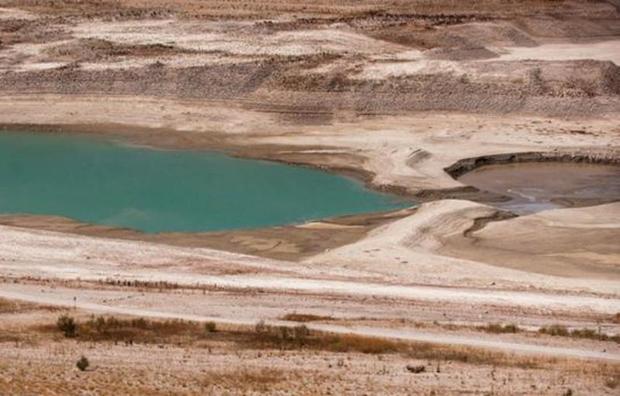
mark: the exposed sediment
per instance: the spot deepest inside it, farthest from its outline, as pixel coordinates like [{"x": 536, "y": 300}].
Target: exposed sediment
[{"x": 588, "y": 156}]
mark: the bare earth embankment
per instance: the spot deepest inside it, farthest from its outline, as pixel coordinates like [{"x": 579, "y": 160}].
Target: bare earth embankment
[{"x": 454, "y": 296}]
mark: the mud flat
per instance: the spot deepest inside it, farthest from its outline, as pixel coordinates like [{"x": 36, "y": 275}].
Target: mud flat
[{"x": 533, "y": 187}]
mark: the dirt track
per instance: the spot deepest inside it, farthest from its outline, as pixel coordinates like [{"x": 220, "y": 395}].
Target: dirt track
[{"x": 398, "y": 334}]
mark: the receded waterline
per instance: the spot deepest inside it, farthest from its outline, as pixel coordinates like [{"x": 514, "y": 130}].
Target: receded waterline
[
  {"x": 103, "y": 182},
  {"x": 537, "y": 186}
]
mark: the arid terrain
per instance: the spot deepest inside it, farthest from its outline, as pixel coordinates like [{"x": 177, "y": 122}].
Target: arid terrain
[{"x": 455, "y": 295}]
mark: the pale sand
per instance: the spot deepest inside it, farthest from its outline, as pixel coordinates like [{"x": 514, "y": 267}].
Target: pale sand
[
  {"x": 418, "y": 148},
  {"x": 603, "y": 50},
  {"x": 408, "y": 151},
  {"x": 552, "y": 265}
]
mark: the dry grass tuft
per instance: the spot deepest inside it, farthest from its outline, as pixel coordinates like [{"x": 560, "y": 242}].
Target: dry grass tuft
[
  {"x": 9, "y": 336},
  {"x": 591, "y": 334},
  {"x": 554, "y": 330},
  {"x": 247, "y": 380},
  {"x": 140, "y": 330},
  {"x": 498, "y": 328},
  {"x": 300, "y": 317},
  {"x": 7, "y": 306},
  {"x": 476, "y": 356},
  {"x": 266, "y": 337},
  {"x": 137, "y": 330},
  {"x": 355, "y": 343},
  {"x": 12, "y": 306},
  {"x": 281, "y": 337}
]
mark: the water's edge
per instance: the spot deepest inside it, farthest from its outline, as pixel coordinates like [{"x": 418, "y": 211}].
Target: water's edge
[{"x": 377, "y": 202}]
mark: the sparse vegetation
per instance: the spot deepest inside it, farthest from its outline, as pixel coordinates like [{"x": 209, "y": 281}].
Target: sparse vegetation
[
  {"x": 264, "y": 341},
  {"x": 282, "y": 337},
  {"x": 300, "y": 317},
  {"x": 8, "y": 306},
  {"x": 499, "y": 328},
  {"x": 210, "y": 327},
  {"x": 471, "y": 355},
  {"x": 563, "y": 331},
  {"x": 250, "y": 381},
  {"x": 416, "y": 369},
  {"x": 10, "y": 336},
  {"x": 554, "y": 330},
  {"x": 82, "y": 363},
  {"x": 265, "y": 336},
  {"x": 67, "y": 325},
  {"x": 110, "y": 328},
  {"x": 13, "y": 306}
]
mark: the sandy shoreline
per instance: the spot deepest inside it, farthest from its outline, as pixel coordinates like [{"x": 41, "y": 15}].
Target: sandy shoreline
[
  {"x": 416, "y": 169},
  {"x": 270, "y": 140},
  {"x": 260, "y": 135}
]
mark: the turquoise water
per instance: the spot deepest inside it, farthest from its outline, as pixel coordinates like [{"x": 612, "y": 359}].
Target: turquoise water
[{"x": 104, "y": 182}]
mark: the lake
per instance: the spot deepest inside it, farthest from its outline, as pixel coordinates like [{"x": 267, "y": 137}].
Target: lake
[{"x": 97, "y": 181}]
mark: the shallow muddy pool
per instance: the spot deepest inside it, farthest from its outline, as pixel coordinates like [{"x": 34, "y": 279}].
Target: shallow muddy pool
[
  {"x": 533, "y": 187},
  {"x": 103, "y": 182}
]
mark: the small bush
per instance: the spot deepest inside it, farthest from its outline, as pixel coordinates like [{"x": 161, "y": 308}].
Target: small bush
[
  {"x": 363, "y": 344},
  {"x": 138, "y": 330},
  {"x": 300, "y": 332},
  {"x": 265, "y": 336},
  {"x": 562, "y": 331},
  {"x": 499, "y": 328},
  {"x": 416, "y": 369},
  {"x": 585, "y": 333},
  {"x": 283, "y": 332},
  {"x": 83, "y": 363},
  {"x": 554, "y": 330},
  {"x": 511, "y": 328},
  {"x": 300, "y": 317},
  {"x": 67, "y": 325},
  {"x": 210, "y": 327}
]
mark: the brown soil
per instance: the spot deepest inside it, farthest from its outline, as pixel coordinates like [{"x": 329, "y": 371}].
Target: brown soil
[
  {"x": 319, "y": 82},
  {"x": 293, "y": 242},
  {"x": 137, "y": 355}
]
